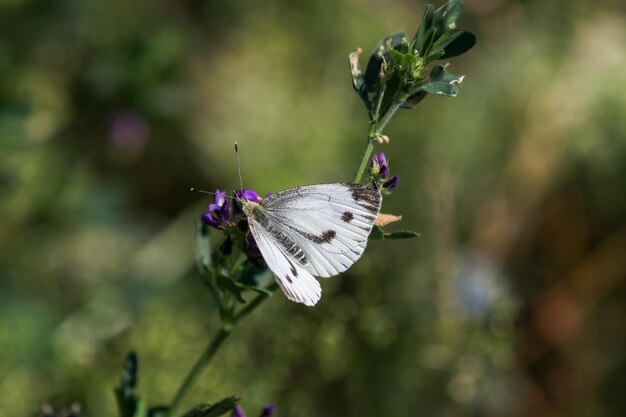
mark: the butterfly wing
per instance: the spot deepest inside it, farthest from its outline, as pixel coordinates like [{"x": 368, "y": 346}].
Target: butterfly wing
[
  {"x": 329, "y": 222},
  {"x": 296, "y": 282}
]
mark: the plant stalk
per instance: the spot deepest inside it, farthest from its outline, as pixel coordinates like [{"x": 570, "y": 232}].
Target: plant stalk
[
  {"x": 211, "y": 349},
  {"x": 376, "y": 129}
]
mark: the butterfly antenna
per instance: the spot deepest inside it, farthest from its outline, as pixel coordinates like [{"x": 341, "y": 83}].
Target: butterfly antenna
[
  {"x": 209, "y": 192},
  {"x": 238, "y": 167},
  {"x": 201, "y": 191}
]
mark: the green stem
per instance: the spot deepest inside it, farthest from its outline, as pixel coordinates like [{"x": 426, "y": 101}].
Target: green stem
[
  {"x": 367, "y": 152},
  {"x": 211, "y": 349},
  {"x": 375, "y": 130},
  {"x": 389, "y": 114},
  {"x": 197, "y": 369},
  {"x": 252, "y": 305}
]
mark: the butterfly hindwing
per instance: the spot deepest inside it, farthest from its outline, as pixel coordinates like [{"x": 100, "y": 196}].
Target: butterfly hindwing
[
  {"x": 330, "y": 223},
  {"x": 295, "y": 281}
]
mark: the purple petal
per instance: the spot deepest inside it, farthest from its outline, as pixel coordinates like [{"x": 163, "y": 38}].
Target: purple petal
[
  {"x": 268, "y": 410},
  {"x": 384, "y": 172},
  {"x": 214, "y": 208},
  {"x": 238, "y": 412},
  {"x": 251, "y": 195},
  {"x": 376, "y": 185},
  {"x": 268, "y": 194},
  {"x": 375, "y": 163},
  {"x": 383, "y": 159},
  {"x": 208, "y": 218},
  {"x": 391, "y": 184},
  {"x": 220, "y": 197},
  {"x": 224, "y": 211}
]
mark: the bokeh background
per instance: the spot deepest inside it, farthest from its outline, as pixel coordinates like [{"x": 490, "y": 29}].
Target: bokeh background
[{"x": 511, "y": 303}]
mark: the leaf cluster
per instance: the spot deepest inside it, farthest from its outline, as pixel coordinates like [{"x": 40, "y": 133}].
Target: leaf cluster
[
  {"x": 397, "y": 74},
  {"x": 227, "y": 274}
]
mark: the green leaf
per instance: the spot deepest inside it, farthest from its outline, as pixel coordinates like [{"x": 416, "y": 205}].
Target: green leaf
[
  {"x": 436, "y": 74},
  {"x": 425, "y": 25},
  {"x": 372, "y": 71},
  {"x": 429, "y": 40},
  {"x": 408, "y": 60},
  {"x": 230, "y": 286},
  {"x": 438, "y": 32},
  {"x": 215, "y": 410},
  {"x": 255, "y": 289},
  {"x": 441, "y": 88},
  {"x": 435, "y": 54},
  {"x": 450, "y": 14},
  {"x": 203, "y": 246},
  {"x": 401, "y": 234},
  {"x": 127, "y": 402},
  {"x": 447, "y": 38},
  {"x": 391, "y": 89},
  {"x": 440, "y": 73},
  {"x": 377, "y": 233},
  {"x": 397, "y": 57},
  {"x": 463, "y": 43}
]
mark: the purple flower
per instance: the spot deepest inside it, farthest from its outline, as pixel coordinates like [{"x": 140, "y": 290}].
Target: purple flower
[
  {"x": 267, "y": 411},
  {"x": 380, "y": 174},
  {"x": 249, "y": 195},
  {"x": 389, "y": 185},
  {"x": 380, "y": 166},
  {"x": 238, "y": 412},
  {"x": 218, "y": 213}
]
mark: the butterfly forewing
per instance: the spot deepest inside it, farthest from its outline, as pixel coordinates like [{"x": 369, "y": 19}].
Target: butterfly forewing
[{"x": 330, "y": 223}]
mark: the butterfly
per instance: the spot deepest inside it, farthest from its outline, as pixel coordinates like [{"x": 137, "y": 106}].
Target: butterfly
[{"x": 313, "y": 230}]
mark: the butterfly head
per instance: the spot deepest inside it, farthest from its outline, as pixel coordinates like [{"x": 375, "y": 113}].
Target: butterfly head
[{"x": 249, "y": 207}]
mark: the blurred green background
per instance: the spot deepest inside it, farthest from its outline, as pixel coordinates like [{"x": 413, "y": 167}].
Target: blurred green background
[{"x": 510, "y": 304}]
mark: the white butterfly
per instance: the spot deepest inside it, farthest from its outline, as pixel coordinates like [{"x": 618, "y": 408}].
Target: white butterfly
[{"x": 312, "y": 230}]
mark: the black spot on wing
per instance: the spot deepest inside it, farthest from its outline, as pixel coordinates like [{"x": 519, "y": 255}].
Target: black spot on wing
[
  {"x": 288, "y": 278},
  {"x": 325, "y": 237},
  {"x": 365, "y": 197},
  {"x": 347, "y": 216}
]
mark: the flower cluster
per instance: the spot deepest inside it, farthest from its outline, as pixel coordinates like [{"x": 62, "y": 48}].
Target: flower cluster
[
  {"x": 379, "y": 172},
  {"x": 229, "y": 218},
  {"x": 219, "y": 215}
]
